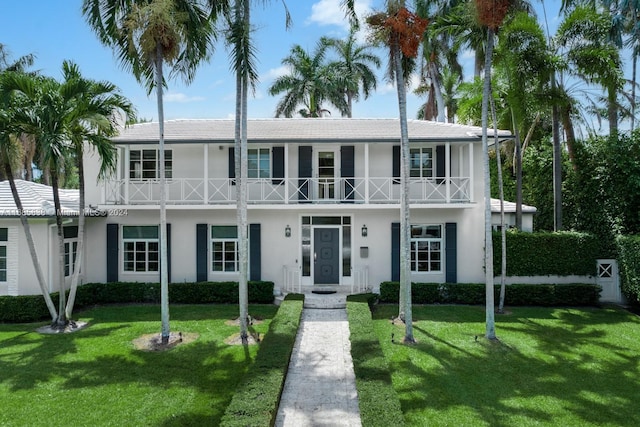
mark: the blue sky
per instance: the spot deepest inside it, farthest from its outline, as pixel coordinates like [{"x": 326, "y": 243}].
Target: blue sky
[{"x": 55, "y": 31}]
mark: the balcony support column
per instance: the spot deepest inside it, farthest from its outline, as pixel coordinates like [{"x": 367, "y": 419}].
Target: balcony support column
[
  {"x": 127, "y": 166},
  {"x": 447, "y": 171},
  {"x": 366, "y": 172},
  {"x": 286, "y": 174},
  {"x": 205, "y": 175},
  {"x": 471, "y": 174}
]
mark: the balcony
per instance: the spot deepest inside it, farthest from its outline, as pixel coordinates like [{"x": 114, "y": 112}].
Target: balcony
[{"x": 222, "y": 191}]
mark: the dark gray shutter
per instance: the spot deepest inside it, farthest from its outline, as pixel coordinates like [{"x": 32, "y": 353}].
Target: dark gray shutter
[
  {"x": 202, "y": 255},
  {"x": 347, "y": 170},
  {"x": 440, "y": 164},
  {"x": 112, "y": 252},
  {"x": 232, "y": 165},
  {"x": 451, "y": 252},
  {"x": 305, "y": 168},
  {"x": 169, "y": 253},
  {"x": 396, "y": 163},
  {"x": 254, "y": 252},
  {"x": 278, "y": 165},
  {"x": 395, "y": 251}
]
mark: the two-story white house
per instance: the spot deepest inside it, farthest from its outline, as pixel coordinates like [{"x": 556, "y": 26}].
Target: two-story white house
[{"x": 324, "y": 203}]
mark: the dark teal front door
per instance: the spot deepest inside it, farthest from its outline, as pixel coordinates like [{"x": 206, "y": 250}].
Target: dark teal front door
[{"x": 326, "y": 256}]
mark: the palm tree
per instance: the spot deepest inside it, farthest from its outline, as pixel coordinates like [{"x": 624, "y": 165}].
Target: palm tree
[
  {"x": 401, "y": 31},
  {"x": 147, "y": 35},
  {"x": 354, "y": 65},
  {"x": 12, "y": 106},
  {"x": 310, "y": 83},
  {"x": 96, "y": 109}
]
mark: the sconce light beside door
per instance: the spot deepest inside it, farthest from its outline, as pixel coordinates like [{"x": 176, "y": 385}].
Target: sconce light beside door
[
  {"x": 287, "y": 231},
  {"x": 365, "y": 232}
]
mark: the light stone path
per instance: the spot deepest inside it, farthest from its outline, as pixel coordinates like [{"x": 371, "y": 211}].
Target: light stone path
[{"x": 320, "y": 386}]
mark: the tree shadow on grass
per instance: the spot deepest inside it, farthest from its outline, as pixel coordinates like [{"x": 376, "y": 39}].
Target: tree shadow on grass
[{"x": 537, "y": 374}]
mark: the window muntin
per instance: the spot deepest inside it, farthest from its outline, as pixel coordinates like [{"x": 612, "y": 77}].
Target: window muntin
[
  {"x": 426, "y": 248},
  {"x": 224, "y": 248},
  {"x": 421, "y": 162},
  {"x": 70, "y": 248},
  {"x": 259, "y": 163},
  {"x": 140, "y": 249},
  {"x": 145, "y": 164},
  {"x": 4, "y": 237}
]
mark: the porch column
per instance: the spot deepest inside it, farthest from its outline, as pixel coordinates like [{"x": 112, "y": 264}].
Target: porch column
[
  {"x": 366, "y": 172},
  {"x": 205, "y": 175},
  {"x": 471, "y": 177},
  {"x": 127, "y": 165},
  {"x": 447, "y": 171},
  {"x": 286, "y": 174}
]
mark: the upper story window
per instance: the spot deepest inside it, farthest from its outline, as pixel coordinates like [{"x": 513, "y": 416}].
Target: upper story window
[
  {"x": 145, "y": 164},
  {"x": 140, "y": 248},
  {"x": 421, "y": 162},
  {"x": 224, "y": 248},
  {"x": 4, "y": 237},
  {"x": 259, "y": 163},
  {"x": 426, "y": 248}
]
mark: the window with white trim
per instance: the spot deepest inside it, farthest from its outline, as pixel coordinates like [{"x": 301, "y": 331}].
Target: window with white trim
[
  {"x": 70, "y": 248},
  {"x": 224, "y": 248},
  {"x": 145, "y": 164},
  {"x": 426, "y": 248},
  {"x": 140, "y": 248},
  {"x": 259, "y": 163},
  {"x": 421, "y": 162},
  {"x": 4, "y": 238}
]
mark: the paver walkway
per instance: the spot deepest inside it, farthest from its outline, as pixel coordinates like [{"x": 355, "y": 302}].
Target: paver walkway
[{"x": 320, "y": 386}]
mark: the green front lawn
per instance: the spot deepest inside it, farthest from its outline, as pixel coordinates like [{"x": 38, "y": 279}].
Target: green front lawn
[
  {"x": 95, "y": 377},
  {"x": 551, "y": 367}
]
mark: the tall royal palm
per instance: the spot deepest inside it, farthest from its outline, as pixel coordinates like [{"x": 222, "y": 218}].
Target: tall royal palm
[
  {"x": 147, "y": 35},
  {"x": 311, "y": 82},
  {"x": 12, "y": 107},
  {"x": 97, "y": 108},
  {"x": 355, "y": 62}
]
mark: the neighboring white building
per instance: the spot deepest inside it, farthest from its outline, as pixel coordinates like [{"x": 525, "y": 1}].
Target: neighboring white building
[
  {"x": 510, "y": 215},
  {"x": 324, "y": 203}
]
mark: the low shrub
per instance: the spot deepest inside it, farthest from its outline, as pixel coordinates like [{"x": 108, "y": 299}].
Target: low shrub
[
  {"x": 32, "y": 308},
  {"x": 379, "y": 402},
  {"x": 578, "y": 294},
  {"x": 629, "y": 259},
  {"x": 256, "y": 401}
]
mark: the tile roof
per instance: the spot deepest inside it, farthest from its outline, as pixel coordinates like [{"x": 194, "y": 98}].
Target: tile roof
[
  {"x": 37, "y": 200},
  {"x": 510, "y": 207},
  {"x": 300, "y": 130}
]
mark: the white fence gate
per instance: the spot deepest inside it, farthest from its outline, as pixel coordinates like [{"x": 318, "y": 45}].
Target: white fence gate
[{"x": 609, "y": 279}]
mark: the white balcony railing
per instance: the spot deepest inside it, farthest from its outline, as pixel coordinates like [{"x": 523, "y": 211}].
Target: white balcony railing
[{"x": 288, "y": 191}]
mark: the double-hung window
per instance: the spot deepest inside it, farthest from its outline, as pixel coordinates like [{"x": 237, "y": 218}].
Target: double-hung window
[
  {"x": 140, "y": 248},
  {"x": 70, "y": 248},
  {"x": 4, "y": 237},
  {"x": 145, "y": 164},
  {"x": 426, "y": 248},
  {"x": 224, "y": 248},
  {"x": 421, "y": 162},
  {"x": 259, "y": 163}
]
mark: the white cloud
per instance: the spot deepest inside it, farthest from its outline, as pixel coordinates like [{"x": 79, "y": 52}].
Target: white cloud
[
  {"x": 330, "y": 12},
  {"x": 182, "y": 98},
  {"x": 388, "y": 87},
  {"x": 274, "y": 73}
]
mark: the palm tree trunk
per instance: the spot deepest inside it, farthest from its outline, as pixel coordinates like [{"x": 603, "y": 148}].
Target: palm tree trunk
[
  {"x": 557, "y": 164},
  {"x": 488, "y": 237},
  {"x": 32, "y": 247},
  {"x": 164, "y": 261},
  {"x": 405, "y": 220},
  {"x": 634, "y": 69},
  {"x": 349, "y": 104},
  {"x": 503, "y": 230},
  {"x": 77, "y": 262},
  {"x": 517, "y": 154},
  {"x": 436, "y": 84},
  {"x": 62, "y": 301}
]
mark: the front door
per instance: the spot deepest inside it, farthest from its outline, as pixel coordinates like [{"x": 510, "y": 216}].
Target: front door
[{"x": 326, "y": 256}]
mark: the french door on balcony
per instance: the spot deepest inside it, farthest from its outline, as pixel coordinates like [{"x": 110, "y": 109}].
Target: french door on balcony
[{"x": 326, "y": 169}]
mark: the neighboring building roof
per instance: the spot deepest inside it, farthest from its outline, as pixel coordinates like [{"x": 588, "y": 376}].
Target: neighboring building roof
[
  {"x": 37, "y": 200},
  {"x": 302, "y": 130},
  {"x": 510, "y": 207}
]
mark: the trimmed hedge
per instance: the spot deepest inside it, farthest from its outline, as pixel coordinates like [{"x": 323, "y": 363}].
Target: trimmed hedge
[
  {"x": 379, "y": 402},
  {"x": 256, "y": 401},
  {"x": 544, "y": 254},
  {"x": 370, "y": 298},
  {"x": 629, "y": 266},
  {"x": 32, "y": 308},
  {"x": 579, "y": 294}
]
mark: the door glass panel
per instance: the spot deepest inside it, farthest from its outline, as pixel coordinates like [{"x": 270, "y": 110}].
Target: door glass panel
[{"x": 326, "y": 175}]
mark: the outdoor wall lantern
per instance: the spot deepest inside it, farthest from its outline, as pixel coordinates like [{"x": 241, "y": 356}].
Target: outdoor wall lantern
[
  {"x": 287, "y": 231},
  {"x": 365, "y": 232}
]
